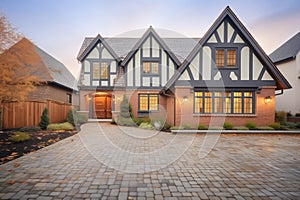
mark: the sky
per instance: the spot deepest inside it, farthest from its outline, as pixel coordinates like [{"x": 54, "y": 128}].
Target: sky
[{"x": 60, "y": 26}]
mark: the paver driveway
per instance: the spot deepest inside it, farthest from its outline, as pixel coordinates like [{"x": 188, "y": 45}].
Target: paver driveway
[{"x": 100, "y": 162}]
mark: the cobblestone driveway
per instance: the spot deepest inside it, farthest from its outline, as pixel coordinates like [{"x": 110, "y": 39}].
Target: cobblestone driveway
[{"x": 240, "y": 166}]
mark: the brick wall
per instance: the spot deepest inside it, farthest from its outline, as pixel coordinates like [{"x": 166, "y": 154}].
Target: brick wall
[
  {"x": 49, "y": 91},
  {"x": 264, "y": 113}
]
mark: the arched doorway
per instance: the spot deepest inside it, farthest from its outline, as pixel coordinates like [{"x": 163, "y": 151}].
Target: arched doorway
[{"x": 102, "y": 106}]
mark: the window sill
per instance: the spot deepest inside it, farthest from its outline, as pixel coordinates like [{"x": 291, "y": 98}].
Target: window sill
[{"x": 224, "y": 115}]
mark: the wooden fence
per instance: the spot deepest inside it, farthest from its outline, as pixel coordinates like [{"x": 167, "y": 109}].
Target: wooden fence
[{"x": 28, "y": 113}]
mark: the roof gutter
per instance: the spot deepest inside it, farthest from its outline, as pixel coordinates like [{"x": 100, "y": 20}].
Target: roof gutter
[{"x": 281, "y": 92}]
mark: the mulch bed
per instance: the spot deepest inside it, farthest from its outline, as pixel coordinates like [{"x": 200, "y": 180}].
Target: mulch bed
[{"x": 10, "y": 150}]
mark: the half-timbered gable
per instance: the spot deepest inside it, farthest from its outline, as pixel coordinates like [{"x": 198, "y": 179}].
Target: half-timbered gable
[
  {"x": 150, "y": 63},
  {"x": 99, "y": 65},
  {"x": 228, "y": 56}
]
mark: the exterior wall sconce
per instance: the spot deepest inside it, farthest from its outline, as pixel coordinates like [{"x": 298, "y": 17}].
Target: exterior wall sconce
[
  {"x": 185, "y": 98},
  {"x": 268, "y": 99}
]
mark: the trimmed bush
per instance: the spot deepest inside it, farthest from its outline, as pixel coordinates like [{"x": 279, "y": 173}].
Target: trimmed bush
[
  {"x": 275, "y": 125},
  {"x": 138, "y": 121},
  {"x": 61, "y": 126},
  {"x": 280, "y": 117},
  {"x": 146, "y": 125},
  {"x": 125, "y": 108},
  {"x": 297, "y": 115},
  {"x": 19, "y": 137},
  {"x": 240, "y": 128},
  {"x": 176, "y": 128},
  {"x": 74, "y": 118},
  {"x": 298, "y": 125},
  {"x": 251, "y": 125},
  {"x": 215, "y": 128},
  {"x": 291, "y": 125},
  {"x": 186, "y": 127},
  {"x": 125, "y": 121},
  {"x": 30, "y": 129},
  {"x": 227, "y": 126},
  {"x": 202, "y": 127},
  {"x": 44, "y": 122},
  {"x": 265, "y": 128}
]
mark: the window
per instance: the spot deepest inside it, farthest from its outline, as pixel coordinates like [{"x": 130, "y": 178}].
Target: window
[
  {"x": 225, "y": 58},
  {"x": 100, "y": 70},
  {"x": 148, "y": 102},
  {"x": 69, "y": 98},
  {"x": 224, "y": 102},
  {"x": 220, "y": 58},
  {"x": 96, "y": 70},
  {"x": 104, "y": 71},
  {"x": 150, "y": 68}
]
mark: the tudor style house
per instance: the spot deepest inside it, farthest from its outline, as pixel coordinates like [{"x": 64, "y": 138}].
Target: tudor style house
[
  {"x": 287, "y": 59},
  {"x": 225, "y": 74}
]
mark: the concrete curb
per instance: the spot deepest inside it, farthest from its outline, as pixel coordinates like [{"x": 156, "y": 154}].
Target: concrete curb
[{"x": 237, "y": 131}]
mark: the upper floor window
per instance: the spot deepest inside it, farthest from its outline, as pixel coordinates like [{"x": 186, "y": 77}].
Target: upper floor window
[
  {"x": 100, "y": 70},
  {"x": 150, "y": 68},
  {"x": 225, "y": 58}
]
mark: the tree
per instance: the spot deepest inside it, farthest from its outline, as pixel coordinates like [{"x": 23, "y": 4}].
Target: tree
[
  {"x": 8, "y": 34},
  {"x": 44, "y": 120},
  {"x": 19, "y": 65},
  {"x": 125, "y": 108}
]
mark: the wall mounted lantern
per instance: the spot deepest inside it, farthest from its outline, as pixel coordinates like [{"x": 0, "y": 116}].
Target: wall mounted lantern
[
  {"x": 268, "y": 99},
  {"x": 185, "y": 98}
]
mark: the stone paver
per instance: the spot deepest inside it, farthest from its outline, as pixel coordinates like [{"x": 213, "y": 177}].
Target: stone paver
[{"x": 104, "y": 161}]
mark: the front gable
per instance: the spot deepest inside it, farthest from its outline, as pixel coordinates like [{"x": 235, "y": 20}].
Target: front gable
[
  {"x": 150, "y": 63},
  {"x": 99, "y": 64},
  {"x": 228, "y": 56}
]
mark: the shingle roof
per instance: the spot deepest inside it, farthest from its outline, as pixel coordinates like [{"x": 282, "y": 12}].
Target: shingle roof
[
  {"x": 181, "y": 47},
  {"x": 49, "y": 69},
  {"x": 288, "y": 50}
]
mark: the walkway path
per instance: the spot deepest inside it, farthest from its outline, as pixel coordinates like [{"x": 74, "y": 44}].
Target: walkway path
[{"x": 104, "y": 161}]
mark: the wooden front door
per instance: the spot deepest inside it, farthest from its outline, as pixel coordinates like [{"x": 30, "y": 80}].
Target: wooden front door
[{"x": 102, "y": 107}]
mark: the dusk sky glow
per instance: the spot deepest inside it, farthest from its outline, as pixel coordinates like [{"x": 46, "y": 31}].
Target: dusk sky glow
[{"x": 59, "y": 26}]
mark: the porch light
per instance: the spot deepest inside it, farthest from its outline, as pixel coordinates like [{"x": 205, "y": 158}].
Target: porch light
[
  {"x": 268, "y": 99},
  {"x": 185, "y": 98}
]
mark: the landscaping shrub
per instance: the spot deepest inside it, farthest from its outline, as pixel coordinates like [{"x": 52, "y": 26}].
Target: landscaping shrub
[
  {"x": 202, "y": 127},
  {"x": 74, "y": 118},
  {"x": 265, "y": 128},
  {"x": 290, "y": 125},
  {"x": 44, "y": 122},
  {"x": 186, "y": 127},
  {"x": 176, "y": 128},
  {"x": 125, "y": 108},
  {"x": 280, "y": 117},
  {"x": 227, "y": 126},
  {"x": 297, "y": 115},
  {"x": 30, "y": 129},
  {"x": 215, "y": 128},
  {"x": 240, "y": 128},
  {"x": 298, "y": 125},
  {"x": 125, "y": 121},
  {"x": 138, "y": 121},
  {"x": 275, "y": 125},
  {"x": 146, "y": 125},
  {"x": 167, "y": 126},
  {"x": 251, "y": 125},
  {"x": 19, "y": 137},
  {"x": 60, "y": 126}
]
